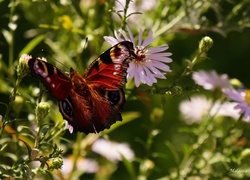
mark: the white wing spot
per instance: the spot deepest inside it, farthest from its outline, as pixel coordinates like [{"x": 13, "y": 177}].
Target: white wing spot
[
  {"x": 53, "y": 85},
  {"x": 117, "y": 66},
  {"x": 44, "y": 74},
  {"x": 48, "y": 79}
]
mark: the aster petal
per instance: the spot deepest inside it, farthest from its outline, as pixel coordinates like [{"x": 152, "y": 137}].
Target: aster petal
[
  {"x": 247, "y": 114},
  {"x": 234, "y": 95},
  {"x": 124, "y": 35},
  {"x": 211, "y": 80},
  {"x": 141, "y": 74},
  {"x": 161, "y": 66},
  {"x": 157, "y": 73},
  {"x": 137, "y": 81},
  {"x": 131, "y": 36},
  {"x": 119, "y": 39},
  {"x": 149, "y": 39},
  {"x": 111, "y": 40},
  {"x": 131, "y": 71},
  {"x": 158, "y": 49},
  {"x": 159, "y": 57},
  {"x": 140, "y": 38},
  {"x": 149, "y": 74}
]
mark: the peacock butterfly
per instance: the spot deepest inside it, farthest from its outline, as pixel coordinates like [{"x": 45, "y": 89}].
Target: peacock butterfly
[{"x": 92, "y": 102}]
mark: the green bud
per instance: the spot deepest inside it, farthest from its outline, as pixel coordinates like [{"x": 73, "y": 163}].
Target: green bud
[
  {"x": 205, "y": 44},
  {"x": 42, "y": 110},
  {"x": 235, "y": 83},
  {"x": 56, "y": 163},
  {"x": 157, "y": 115},
  {"x": 23, "y": 67},
  {"x": 146, "y": 166},
  {"x": 176, "y": 91}
]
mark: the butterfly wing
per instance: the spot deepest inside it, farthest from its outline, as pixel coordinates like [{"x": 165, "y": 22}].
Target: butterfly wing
[
  {"x": 107, "y": 76},
  {"x": 54, "y": 79},
  {"x": 110, "y": 69}
]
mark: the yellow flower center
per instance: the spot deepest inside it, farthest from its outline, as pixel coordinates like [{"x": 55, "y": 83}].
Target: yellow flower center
[{"x": 247, "y": 97}]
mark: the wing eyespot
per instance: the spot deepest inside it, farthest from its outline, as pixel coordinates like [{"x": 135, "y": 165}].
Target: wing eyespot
[{"x": 66, "y": 109}]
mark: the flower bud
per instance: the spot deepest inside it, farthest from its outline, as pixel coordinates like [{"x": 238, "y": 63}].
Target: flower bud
[
  {"x": 42, "y": 110},
  {"x": 157, "y": 115},
  {"x": 205, "y": 44},
  {"x": 23, "y": 67},
  {"x": 235, "y": 83},
  {"x": 176, "y": 91},
  {"x": 56, "y": 163},
  {"x": 147, "y": 165}
]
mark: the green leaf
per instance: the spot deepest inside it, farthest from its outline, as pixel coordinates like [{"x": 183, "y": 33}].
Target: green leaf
[{"x": 28, "y": 147}]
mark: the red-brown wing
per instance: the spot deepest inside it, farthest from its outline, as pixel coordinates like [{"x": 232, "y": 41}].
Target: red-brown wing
[
  {"x": 93, "y": 113},
  {"x": 109, "y": 71},
  {"x": 54, "y": 79}
]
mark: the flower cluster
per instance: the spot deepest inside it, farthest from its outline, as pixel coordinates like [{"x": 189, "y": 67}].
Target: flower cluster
[{"x": 203, "y": 106}]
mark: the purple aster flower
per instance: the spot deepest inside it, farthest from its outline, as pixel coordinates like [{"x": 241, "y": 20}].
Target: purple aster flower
[
  {"x": 150, "y": 62},
  {"x": 243, "y": 101},
  {"x": 211, "y": 80}
]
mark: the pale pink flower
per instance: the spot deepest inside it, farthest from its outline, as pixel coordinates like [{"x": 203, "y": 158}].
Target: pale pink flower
[
  {"x": 198, "y": 107},
  {"x": 69, "y": 127},
  {"x": 113, "y": 151},
  {"x": 195, "y": 109},
  {"x": 150, "y": 63},
  {"x": 243, "y": 101},
  {"x": 83, "y": 164},
  {"x": 211, "y": 80}
]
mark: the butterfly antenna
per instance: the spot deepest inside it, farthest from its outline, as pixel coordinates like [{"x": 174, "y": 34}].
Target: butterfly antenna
[
  {"x": 84, "y": 47},
  {"x": 54, "y": 59}
]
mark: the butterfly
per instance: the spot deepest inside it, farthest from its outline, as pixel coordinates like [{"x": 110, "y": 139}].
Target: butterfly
[{"x": 93, "y": 101}]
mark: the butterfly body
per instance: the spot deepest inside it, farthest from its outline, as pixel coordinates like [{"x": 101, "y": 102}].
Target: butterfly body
[{"x": 93, "y": 101}]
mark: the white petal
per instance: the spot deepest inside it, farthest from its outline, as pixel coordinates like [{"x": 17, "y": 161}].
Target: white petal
[
  {"x": 149, "y": 39},
  {"x": 111, "y": 40},
  {"x": 140, "y": 38},
  {"x": 161, "y": 66},
  {"x": 149, "y": 75},
  {"x": 158, "y": 49},
  {"x": 131, "y": 36},
  {"x": 234, "y": 95},
  {"x": 157, "y": 57},
  {"x": 124, "y": 35}
]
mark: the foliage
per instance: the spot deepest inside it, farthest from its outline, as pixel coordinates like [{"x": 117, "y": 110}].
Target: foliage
[{"x": 34, "y": 142}]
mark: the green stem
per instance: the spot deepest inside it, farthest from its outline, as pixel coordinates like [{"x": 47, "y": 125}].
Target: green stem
[
  {"x": 124, "y": 19},
  {"x": 12, "y": 99},
  {"x": 11, "y": 43},
  {"x": 76, "y": 153}
]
